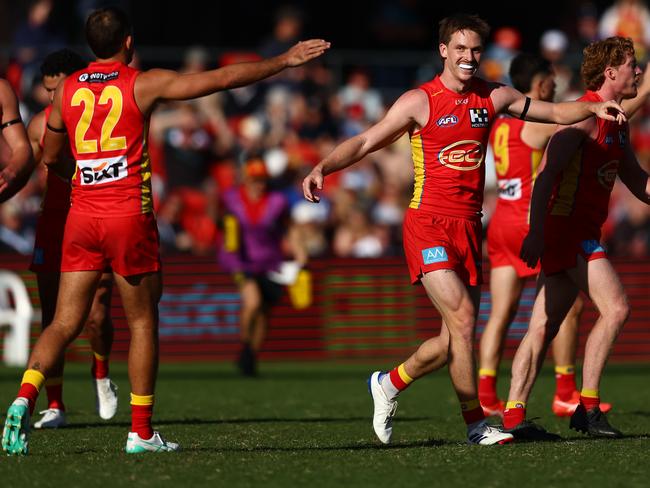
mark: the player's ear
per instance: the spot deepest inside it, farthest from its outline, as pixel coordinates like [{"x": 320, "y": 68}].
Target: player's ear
[
  {"x": 128, "y": 43},
  {"x": 610, "y": 73},
  {"x": 443, "y": 50}
]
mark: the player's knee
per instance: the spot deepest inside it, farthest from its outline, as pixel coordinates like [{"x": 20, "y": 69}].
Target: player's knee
[{"x": 619, "y": 311}]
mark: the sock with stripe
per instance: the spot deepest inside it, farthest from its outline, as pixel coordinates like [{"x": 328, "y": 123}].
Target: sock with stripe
[
  {"x": 565, "y": 382},
  {"x": 514, "y": 414},
  {"x": 487, "y": 386},
  {"x": 395, "y": 381},
  {"x": 54, "y": 389},
  {"x": 100, "y": 366},
  {"x": 30, "y": 386},
  {"x": 589, "y": 399},
  {"x": 141, "y": 413},
  {"x": 472, "y": 411}
]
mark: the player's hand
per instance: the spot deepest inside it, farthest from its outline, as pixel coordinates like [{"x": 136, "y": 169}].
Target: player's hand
[
  {"x": 610, "y": 110},
  {"x": 305, "y": 51},
  {"x": 313, "y": 181},
  {"x": 531, "y": 249}
]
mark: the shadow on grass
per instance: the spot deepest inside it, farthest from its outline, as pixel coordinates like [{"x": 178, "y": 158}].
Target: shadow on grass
[{"x": 261, "y": 420}]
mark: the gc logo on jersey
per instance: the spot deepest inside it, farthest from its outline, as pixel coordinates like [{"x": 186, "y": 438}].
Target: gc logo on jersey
[
  {"x": 607, "y": 174},
  {"x": 99, "y": 171},
  {"x": 462, "y": 155},
  {"x": 447, "y": 121},
  {"x": 479, "y": 117}
]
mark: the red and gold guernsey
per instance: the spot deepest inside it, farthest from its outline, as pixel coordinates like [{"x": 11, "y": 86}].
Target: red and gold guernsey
[
  {"x": 56, "y": 197},
  {"x": 449, "y": 151},
  {"x": 516, "y": 164},
  {"x": 583, "y": 189},
  {"x": 108, "y": 139}
]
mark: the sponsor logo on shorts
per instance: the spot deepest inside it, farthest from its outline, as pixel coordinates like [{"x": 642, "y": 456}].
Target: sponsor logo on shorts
[
  {"x": 607, "y": 174},
  {"x": 509, "y": 188},
  {"x": 98, "y": 77},
  {"x": 591, "y": 246},
  {"x": 436, "y": 254},
  {"x": 447, "y": 121},
  {"x": 39, "y": 256},
  {"x": 479, "y": 117},
  {"x": 462, "y": 155},
  {"x": 100, "y": 171}
]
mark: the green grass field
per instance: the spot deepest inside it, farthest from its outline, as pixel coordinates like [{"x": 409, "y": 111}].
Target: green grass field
[{"x": 310, "y": 425}]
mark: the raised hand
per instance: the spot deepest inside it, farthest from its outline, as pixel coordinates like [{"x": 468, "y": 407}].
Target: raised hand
[
  {"x": 305, "y": 51},
  {"x": 610, "y": 110}
]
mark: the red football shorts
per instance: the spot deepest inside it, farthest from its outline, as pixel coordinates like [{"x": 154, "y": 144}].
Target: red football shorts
[
  {"x": 48, "y": 242},
  {"x": 433, "y": 242},
  {"x": 564, "y": 240},
  {"x": 127, "y": 244},
  {"x": 504, "y": 241}
]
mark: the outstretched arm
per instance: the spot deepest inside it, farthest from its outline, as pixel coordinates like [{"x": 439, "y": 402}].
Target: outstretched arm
[
  {"x": 159, "y": 84},
  {"x": 409, "y": 110},
  {"x": 561, "y": 149},
  {"x": 634, "y": 177},
  {"x": 507, "y": 99},
  {"x": 19, "y": 164}
]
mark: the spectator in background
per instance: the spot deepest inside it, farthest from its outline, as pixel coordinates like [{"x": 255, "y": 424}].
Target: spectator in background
[
  {"x": 255, "y": 222},
  {"x": 286, "y": 31},
  {"x": 361, "y": 104},
  {"x": 553, "y": 46},
  {"x": 506, "y": 42},
  {"x": 33, "y": 39},
  {"x": 628, "y": 18},
  {"x": 586, "y": 29}
]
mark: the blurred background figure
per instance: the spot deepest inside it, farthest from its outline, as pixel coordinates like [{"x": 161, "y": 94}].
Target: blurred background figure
[
  {"x": 495, "y": 62},
  {"x": 628, "y": 18},
  {"x": 256, "y": 238},
  {"x": 553, "y": 47}
]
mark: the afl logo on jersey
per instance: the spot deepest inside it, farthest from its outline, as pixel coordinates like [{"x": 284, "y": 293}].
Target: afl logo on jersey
[
  {"x": 447, "y": 121},
  {"x": 607, "y": 175},
  {"x": 462, "y": 155}
]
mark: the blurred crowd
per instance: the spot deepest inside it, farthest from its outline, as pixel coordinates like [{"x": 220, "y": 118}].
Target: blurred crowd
[{"x": 293, "y": 120}]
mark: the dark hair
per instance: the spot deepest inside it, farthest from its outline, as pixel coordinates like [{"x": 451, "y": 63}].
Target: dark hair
[
  {"x": 63, "y": 61},
  {"x": 525, "y": 67},
  {"x": 460, "y": 22},
  {"x": 599, "y": 55},
  {"x": 106, "y": 30}
]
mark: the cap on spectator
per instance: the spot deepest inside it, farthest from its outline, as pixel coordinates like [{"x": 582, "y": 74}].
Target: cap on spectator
[
  {"x": 508, "y": 38},
  {"x": 255, "y": 168},
  {"x": 276, "y": 161},
  {"x": 554, "y": 40},
  {"x": 306, "y": 212}
]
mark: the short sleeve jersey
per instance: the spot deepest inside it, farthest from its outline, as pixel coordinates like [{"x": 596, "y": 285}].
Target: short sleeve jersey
[
  {"x": 108, "y": 139},
  {"x": 57, "y": 189},
  {"x": 449, "y": 151},
  {"x": 516, "y": 165},
  {"x": 583, "y": 189}
]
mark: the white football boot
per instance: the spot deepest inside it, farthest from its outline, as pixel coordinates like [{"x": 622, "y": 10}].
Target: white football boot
[
  {"x": 136, "y": 445},
  {"x": 484, "y": 435},
  {"x": 382, "y": 419},
  {"x": 106, "y": 398},
  {"x": 52, "y": 418}
]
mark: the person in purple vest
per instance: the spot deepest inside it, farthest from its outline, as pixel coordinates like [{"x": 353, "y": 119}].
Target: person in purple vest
[{"x": 255, "y": 223}]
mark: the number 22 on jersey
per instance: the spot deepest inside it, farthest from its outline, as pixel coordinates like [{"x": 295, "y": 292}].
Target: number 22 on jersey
[{"x": 107, "y": 142}]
